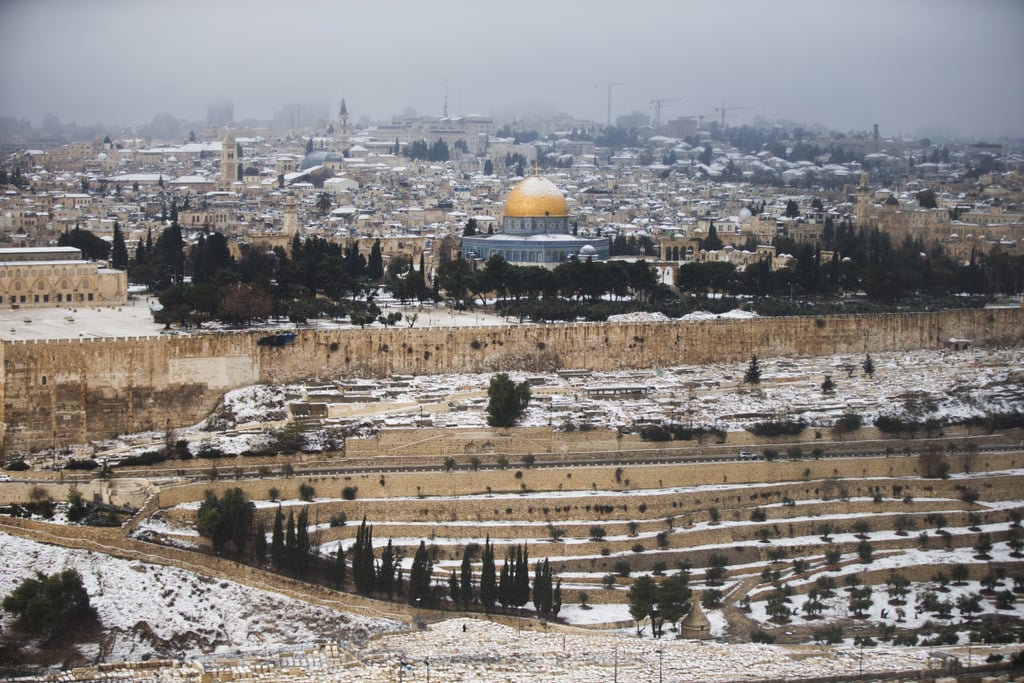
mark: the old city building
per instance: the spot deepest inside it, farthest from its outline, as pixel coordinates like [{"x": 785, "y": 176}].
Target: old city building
[{"x": 54, "y": 276}]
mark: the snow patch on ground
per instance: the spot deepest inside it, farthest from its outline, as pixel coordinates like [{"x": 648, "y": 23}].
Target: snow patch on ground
[{"x": 153, "y": 610}]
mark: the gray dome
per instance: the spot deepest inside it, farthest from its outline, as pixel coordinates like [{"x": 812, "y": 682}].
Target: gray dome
[{"x": 319, "y": 158}]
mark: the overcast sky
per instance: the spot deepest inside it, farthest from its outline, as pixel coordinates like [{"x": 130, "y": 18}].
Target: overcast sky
[{"x": 912, "y": 66}]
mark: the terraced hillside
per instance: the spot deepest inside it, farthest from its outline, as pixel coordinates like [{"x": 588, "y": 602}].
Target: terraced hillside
[{"x": 769, "y": 548}]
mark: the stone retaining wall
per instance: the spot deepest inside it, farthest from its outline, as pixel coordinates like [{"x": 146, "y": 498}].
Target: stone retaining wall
[{"x": 60, "y": 392}]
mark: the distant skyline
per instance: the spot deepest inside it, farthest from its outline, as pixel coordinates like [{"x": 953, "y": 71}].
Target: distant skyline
[{"x": 916, "y": 67}]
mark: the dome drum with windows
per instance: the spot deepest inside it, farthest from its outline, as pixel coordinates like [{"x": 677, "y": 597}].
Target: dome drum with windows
[{"x": 535, "y": 230}]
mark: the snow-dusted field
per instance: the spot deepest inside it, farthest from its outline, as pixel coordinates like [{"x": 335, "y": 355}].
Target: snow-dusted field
[
  {"x": 922, "y": 385},
  {"x": 152, "y": 610}
]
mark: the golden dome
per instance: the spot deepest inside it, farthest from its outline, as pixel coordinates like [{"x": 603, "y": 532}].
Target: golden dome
[{"x": 534, "y": 197}]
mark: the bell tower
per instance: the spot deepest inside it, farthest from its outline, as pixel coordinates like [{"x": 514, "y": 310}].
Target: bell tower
[
  {"x": 343, "y": 126},
  {"x": 228, "y": 161}
]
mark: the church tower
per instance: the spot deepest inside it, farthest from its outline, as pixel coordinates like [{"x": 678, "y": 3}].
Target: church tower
[
  {"x": 228, "y": 161},
  {"x": 343, "y": 126}
]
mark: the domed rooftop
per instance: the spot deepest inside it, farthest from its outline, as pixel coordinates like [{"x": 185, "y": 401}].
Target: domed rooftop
[
  {"x": 534, "y": 197},
  {"x": 319, "y": 158}
]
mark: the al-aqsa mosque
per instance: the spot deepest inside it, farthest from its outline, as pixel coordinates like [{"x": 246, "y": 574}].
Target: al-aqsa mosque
[{"x": 535, "y": 230}]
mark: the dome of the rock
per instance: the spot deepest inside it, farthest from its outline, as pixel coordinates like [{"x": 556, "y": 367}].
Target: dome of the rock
[{"x": 535, "y": 197}]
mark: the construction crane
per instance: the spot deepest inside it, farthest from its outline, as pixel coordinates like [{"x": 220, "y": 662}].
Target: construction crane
[
  {"x": 610, "y": 85},
  {"x": 699, "y": 118},
  {"x": 721, "y": 110},
  {"x": 657, "y": 110}
]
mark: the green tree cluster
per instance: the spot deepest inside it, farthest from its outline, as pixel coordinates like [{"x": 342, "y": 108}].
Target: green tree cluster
[
  {"x": 507, "y": 400},
  {"x": 514, "y": 580},
  {"x": 667, "y": 601},
  {"x": 291, "y": 548},
  {"x": 419, "y": 149},
  {"x": 227, "y": 520},
  {"x": 93, "y": 247},
  {"x": 623, "y": 245},
  {"x": 364, "y": 575},
  {"x": 547, "y": 595},
  {"x": 48, "y": 605}
]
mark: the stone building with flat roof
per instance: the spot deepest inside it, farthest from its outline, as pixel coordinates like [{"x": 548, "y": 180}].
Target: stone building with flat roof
[{"x": 58, "y": 276}]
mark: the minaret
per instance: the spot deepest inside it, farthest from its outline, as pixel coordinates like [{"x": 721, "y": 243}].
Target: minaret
[
  {"x": 863, "y": 208},
  {"x": 228, "y": 161},
  {"x": 291, "y": 217},
  {"x": 343, "y": 125}
]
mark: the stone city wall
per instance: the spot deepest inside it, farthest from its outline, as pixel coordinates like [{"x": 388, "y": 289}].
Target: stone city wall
[{"x": 61, "y": 392}]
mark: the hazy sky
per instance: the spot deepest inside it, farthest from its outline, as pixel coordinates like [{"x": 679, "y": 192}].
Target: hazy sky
[{"x": 909, "y": 65}]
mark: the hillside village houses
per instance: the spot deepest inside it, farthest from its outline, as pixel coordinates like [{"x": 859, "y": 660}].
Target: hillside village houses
[{"x": 348, "y": 183}]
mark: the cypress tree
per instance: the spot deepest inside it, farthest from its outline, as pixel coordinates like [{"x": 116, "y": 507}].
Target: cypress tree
[
  {"x": 521, "y": 584},
  {"x": 339, "y": 565},
  {"x": 538, "y": 587},
  {"x": 467, "y": 581},
  {"x": 375, "y": 266},
  {"x": 277, "y": 551},
  {"x": 260, "y": 543},
  {"x": 753, "y": 373},
  {"x": 302, "y": 546},
  {"x": 488, "y": 585},
  {"x": 357, "y": 556},
  {"x": 505, "y": 584},
  {"x": 386, "y": 571},
  {"x": 119, "y": 252},
  {"x": 290, "y": 558},
  {"x": 422, "y": 289},
  {"x": 419, "y": 575},
  {"x": 556, "y": 599},
  {"x": 363, "y": 571},
  {"x": 542, "y": 597},
  {"x": 454, "y": 589}
]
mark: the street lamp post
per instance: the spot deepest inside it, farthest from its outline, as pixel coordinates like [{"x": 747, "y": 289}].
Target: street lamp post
[
  {"x": 661, "y": 661},
  {"x": 615, "y": 671},
  {"x": 427, "y": 662}
]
